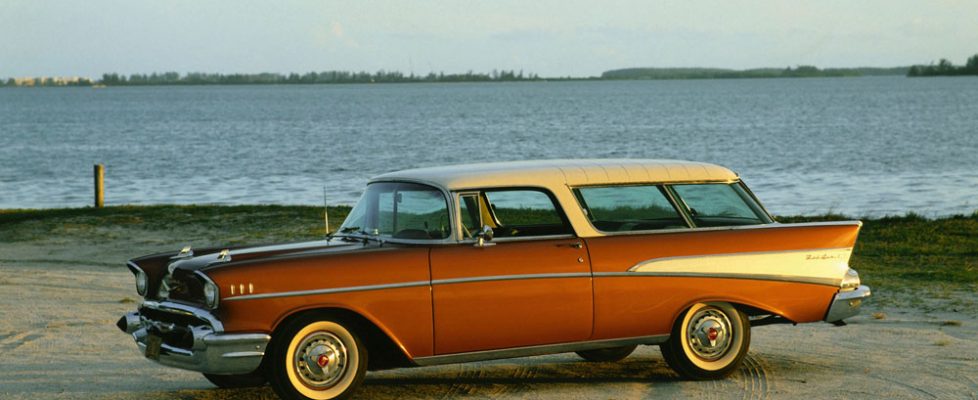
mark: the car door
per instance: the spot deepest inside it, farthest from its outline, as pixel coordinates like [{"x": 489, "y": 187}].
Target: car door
[{"x": 530, "y": 285}]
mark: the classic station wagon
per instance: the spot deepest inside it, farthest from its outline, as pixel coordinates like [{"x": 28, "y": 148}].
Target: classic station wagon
[{"x": 485, "y": 261}]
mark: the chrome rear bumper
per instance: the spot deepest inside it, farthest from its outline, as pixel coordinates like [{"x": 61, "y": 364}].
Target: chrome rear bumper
[
  {"x": 846, "y": 304},
  {"x": 199, "y": 348}
]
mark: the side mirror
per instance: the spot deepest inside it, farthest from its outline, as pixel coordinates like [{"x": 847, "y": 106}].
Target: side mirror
[{"x": 483, "y": 237}]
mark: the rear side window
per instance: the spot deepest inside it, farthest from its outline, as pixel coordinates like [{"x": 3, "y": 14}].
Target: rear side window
[
  {"x": 719, "y": 204},
  {"x": 629, "y": 208}
]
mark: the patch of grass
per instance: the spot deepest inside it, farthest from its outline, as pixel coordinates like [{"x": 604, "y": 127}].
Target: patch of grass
[
  {"x": 905, "y": 252},
  {"x": 201, "y": 223}
]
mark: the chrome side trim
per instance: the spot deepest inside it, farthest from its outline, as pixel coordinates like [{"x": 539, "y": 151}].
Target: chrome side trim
[
  {"x": 756, "y": 277},
  {"x": 538, "y": 350},
  {"x": 740, "y": 254},
  {"x": 410, "y": 284},
  {"x": 511, "y": 278},
  {"x": 452, "y": 281},
  {"x": 328, "y": 291}
]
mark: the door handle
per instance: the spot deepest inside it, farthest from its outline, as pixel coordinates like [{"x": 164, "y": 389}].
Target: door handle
[{"x": 575, "y": 245}]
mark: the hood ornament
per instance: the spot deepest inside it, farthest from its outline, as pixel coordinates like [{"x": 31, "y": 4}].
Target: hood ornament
[{"x": 224, "y": 255}]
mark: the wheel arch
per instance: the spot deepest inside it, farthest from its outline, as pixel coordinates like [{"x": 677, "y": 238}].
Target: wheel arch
[
  {"x": 385, "y": 351},
  {"x": 746, "y": 306}
]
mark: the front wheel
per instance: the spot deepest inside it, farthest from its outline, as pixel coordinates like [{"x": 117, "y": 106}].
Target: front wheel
[
  {"x": 708, "y": 341},
  {"x": 316, "y": 357}
]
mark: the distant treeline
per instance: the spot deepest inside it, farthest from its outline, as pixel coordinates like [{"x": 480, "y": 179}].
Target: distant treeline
[
  {"x": 802, "y": 71},
  {"x": 945, "y": 68},
  {"x": 327, "y": 77}
]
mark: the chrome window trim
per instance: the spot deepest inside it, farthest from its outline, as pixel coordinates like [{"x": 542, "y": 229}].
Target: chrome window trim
[
  {"x": 757, "y": 201},
  {"x": 538, "y": 350},
  {"x": 524, "y": 238}
]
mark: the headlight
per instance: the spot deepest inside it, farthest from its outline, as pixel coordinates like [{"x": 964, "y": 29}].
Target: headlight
[
  {"x": 212, "y": 296},
  {"x": 850, "y": 281},
  {"x": 142, "y": 282}
]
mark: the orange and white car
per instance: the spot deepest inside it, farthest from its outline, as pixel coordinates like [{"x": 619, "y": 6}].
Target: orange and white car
[{"x": 485, "y": 261}]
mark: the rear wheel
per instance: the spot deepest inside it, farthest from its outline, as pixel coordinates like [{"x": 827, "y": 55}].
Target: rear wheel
[
  {"x": 708, "y": 341},
  {"x": 607, "y": 355},
  {"x": 316, "y": 357},
  {"x": 252, "y": 379}
]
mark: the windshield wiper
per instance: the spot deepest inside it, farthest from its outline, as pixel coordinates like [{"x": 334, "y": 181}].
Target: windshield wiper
[{"x": 355, "y": 232}]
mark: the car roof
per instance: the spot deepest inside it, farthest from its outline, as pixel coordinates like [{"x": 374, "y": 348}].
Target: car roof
[{"x": 552, "y": 173}]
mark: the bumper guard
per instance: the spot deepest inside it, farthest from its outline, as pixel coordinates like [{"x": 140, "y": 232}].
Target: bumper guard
[
  {"x": 846, "y": 304},
  {"x": 212, "y": 351}
]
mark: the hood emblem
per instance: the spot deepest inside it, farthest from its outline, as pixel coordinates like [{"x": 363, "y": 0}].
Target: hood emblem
[{"x": 224, "y": 255}]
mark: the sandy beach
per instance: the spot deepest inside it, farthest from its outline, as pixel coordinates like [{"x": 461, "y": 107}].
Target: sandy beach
[{"x": 59, "y": 303}]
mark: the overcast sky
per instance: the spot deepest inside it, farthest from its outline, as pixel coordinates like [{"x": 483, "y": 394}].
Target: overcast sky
[{"x": 550, "y": 38}]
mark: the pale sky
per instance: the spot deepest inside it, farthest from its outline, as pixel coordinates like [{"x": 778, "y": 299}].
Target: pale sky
[{"x": 550, "y": 38}]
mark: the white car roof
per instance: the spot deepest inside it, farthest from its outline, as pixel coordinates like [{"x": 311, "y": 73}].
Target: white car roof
[{"x": 562, "y": 173}]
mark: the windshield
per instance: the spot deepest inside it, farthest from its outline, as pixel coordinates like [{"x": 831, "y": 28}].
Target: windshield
[{"x": 401, "y": 211}]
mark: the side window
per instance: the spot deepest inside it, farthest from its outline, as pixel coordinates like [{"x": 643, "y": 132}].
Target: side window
[
  {"x": 719, "y": 204},
  {"x": 629, "y": 208},
  {"x": 520, "y": 213}
]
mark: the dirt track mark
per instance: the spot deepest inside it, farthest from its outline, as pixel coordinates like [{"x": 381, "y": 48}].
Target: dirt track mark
[
  {"x": 755, "y": 378},
  {"x": 13, "y": 341}
]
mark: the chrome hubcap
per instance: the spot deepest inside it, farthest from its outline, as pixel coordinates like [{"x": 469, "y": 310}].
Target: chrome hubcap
[
  {"x": 709, "y": 334},
  {"x": 320, "y": 360}
]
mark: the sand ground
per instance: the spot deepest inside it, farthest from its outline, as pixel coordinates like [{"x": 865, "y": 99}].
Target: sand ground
[{"x": 58, "y": 306}]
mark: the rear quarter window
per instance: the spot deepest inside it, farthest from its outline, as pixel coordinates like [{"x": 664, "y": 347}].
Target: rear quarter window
[
  {"x": 629, "y": 208},
  {"x": 719, "y": 204}
]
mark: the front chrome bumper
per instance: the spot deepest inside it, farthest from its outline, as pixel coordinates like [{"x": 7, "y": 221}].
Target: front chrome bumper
[
  {"x": 846, "y": 304},
  {"x": 198, "y": 347}
]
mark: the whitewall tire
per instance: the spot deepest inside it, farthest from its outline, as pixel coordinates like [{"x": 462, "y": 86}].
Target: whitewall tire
[
  {"x": 708, "y": 341},
  {"x": 315, "y": 357}
]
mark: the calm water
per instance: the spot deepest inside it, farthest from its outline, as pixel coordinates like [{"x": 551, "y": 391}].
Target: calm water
[{"x": 861, "y": 146}]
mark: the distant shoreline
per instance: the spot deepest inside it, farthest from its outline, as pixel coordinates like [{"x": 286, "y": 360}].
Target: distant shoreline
[
  {"x": 347, "y": 77},
  {"x": 943, "y": 68}
]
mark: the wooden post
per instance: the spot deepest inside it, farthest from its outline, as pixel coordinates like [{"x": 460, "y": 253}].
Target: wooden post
[{"x": 99, "y": 185}]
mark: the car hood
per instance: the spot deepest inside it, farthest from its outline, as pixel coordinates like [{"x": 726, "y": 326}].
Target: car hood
[{"x": 212, "y": 258}]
